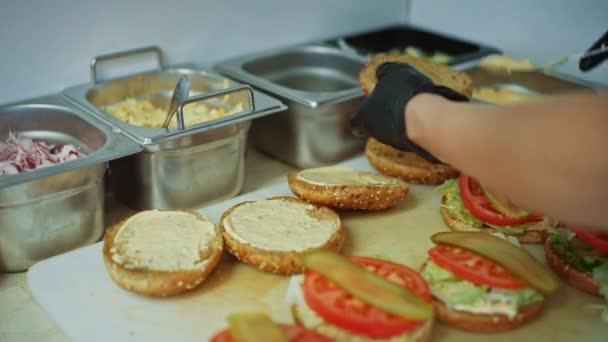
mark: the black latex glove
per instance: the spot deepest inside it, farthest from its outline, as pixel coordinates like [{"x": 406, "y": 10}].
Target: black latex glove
[{"x": 382, "y": 113}]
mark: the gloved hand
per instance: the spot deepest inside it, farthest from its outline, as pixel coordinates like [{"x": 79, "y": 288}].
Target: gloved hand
[{"x": 382, "y": 114}]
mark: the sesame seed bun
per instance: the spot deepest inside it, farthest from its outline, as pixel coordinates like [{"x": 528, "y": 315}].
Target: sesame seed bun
[
  {"x": 420, "y": 334},
  {"x": 486, "y": 323},
  {"x": 406, "y": 165},
  {"x": 285, "y": 262},
  {"x": 350, "y": 196},
  {"x": 150, "y": 281},
  {"x": 439, "y": 74},
  {"x": 581, "y": 280}
]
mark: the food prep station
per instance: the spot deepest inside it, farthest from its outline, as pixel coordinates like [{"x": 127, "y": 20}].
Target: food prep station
[{"x": 296, "y": 101}]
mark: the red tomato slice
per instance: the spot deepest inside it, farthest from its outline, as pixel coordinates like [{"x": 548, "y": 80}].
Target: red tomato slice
[
  {"x": 597, "y": 240},
  {"x": 474, "y": 200},
  {"x": 295, "y": 333},
  {"x": 341, "y": 309},
  {"x": 474, "y": 268}
]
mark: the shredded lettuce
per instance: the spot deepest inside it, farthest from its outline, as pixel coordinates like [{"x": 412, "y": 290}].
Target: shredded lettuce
[
  {"x": 579, "y": 254},
  {"x": 508, "y": 229},
  {"x": 584, "y": 258},
  {"x": 456, "y": 291},
  {"x": 451, "y": 190},
  {"x": 600, "y": 275},
  {"x": 382, "y": 256}
]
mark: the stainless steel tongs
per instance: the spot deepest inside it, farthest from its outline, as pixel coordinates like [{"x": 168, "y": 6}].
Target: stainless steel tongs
[{"x": 590, "y": 60}]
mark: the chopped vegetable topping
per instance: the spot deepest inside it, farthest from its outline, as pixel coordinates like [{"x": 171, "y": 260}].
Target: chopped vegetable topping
[{"x": 18, "y": 154}]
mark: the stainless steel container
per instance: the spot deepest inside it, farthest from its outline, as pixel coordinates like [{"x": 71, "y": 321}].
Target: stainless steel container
[
  {"x": 535, "y": 82},
  {"x": 320, "y": 86},
  {"x": 423, "y": 40},
  {"x": 51, "y": 210},
  {"x": 178, "y": 168}
]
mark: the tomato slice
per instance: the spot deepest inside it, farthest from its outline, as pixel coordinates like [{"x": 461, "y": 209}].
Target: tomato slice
[
  {"x": 341, "y": 309},
  {"x": 597, "y": 240},
  {"x": 295, "y": 333},
  {"x": 474, "y": 200},
  {"x": 474, "y": 268}
]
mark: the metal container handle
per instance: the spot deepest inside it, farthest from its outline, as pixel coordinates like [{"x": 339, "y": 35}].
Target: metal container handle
[
  {"x": 206, "y": 96},
  {"x": 122, "y": 54}
]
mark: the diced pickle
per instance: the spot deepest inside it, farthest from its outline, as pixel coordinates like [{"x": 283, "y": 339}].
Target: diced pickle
[
  {"x": 251, "y": 327},
  {"x": 517, "y": 260},
  {"x": 367, "y": 286}
]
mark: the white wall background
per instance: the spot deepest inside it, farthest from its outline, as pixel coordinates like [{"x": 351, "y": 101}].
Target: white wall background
[
  {"x": 542, "y": 30},
  {"x": 47, "y": 45}
]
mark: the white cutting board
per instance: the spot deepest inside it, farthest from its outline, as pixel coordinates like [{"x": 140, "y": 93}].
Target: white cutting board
[{"x": 77, "y": 293}]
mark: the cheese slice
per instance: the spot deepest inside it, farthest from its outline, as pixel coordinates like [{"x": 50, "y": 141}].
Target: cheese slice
[
  {"x": 339, "y": 175},
  {"x": 280, "y": 225},
  {"x": 163, "y": 241}
]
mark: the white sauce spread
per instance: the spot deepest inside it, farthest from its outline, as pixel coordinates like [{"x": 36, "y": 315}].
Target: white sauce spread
[
  {"x": 339, "y": 175},
  {"x": 163, "y": 241},
  {"x": 280, "y": 225}
]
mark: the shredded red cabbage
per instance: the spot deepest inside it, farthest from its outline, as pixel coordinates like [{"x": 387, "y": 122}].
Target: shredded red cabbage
[{"x": 18, "y": 154}]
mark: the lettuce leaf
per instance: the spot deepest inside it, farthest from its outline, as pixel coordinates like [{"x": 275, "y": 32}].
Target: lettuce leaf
[
  {"x": 600, "y": 274},
  {"x": 451, "y": 190},
  {"x": 584, "y": 258},
  {"x": 455, "y": 291},
  {"x": 578, "y": 253},
  {"x": 509, "y": 230}
]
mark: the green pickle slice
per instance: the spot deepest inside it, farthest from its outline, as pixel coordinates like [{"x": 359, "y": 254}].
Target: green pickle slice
[
  {"x": 517, "y": 260},
  {"x": 252, "y": 327},
  {"x": 503, "y": 205},
  {"x": 367, "y": 286}
]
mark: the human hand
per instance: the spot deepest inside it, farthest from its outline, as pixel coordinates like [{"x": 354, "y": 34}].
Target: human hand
[{"x": 382, "y": 113}]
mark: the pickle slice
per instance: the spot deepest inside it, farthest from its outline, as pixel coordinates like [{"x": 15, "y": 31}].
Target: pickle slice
[
  {"x": 252, "y": 327},
  {"x": 367, "y": 286},
  {"x": 517, "y": 260},
  {"x": 504, "y": 205}
]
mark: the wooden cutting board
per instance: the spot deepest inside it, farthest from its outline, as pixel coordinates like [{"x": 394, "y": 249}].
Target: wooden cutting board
[{"x": 77, "y": 293}]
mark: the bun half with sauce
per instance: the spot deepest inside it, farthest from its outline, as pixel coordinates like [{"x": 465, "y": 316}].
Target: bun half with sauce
[
  {"x": 273, "y": 234},
  {"x": 344, "y": 188},
  {"x": 161, "y": 253}
]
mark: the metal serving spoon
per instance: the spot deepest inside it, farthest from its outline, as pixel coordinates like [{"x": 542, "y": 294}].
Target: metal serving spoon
[{"x": 180, "y": 94}]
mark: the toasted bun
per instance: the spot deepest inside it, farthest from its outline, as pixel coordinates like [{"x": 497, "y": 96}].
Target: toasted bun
[
  {"x": 581, "y": 280},
  {"x": 420, "y": 334},
  {"x": 151, "y": 282},
  {"x": 439, "y": 74},
  {"x": 281, "y": 261},
  {"x": 406, "y": 165},
  {"x": 534, "y": 234},
  {"x": 351, "y": 196},
  {"x": 484, "y": 322}
]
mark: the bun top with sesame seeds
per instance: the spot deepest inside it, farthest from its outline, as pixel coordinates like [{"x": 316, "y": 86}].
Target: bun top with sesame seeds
[
  {"x": 439, "y": 74},
  {"x": 345, "y": 188}
]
